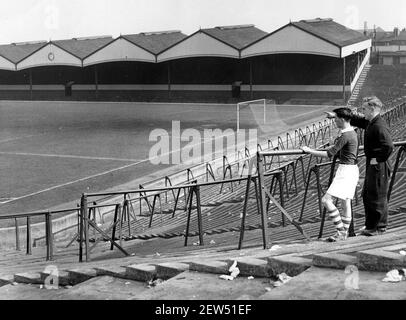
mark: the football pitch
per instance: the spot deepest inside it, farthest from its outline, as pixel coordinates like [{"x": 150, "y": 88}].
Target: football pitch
[{"x": 52, "y": 152}]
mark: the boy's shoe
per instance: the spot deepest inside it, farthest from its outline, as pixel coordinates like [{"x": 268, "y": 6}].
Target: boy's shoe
[{"x": 339, "y": 236}]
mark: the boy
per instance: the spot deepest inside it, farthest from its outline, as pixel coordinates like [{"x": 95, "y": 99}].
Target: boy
[{"x": 347, "y": 174}]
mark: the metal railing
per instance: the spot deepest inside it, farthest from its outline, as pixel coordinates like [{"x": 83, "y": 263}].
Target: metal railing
[{"x": 276, "y": 162}]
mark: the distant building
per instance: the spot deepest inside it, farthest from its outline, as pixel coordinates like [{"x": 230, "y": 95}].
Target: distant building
[{"x": 388, "y": 47}]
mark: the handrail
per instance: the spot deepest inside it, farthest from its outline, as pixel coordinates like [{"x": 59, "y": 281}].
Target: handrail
[{"x": 315, "y": 134}]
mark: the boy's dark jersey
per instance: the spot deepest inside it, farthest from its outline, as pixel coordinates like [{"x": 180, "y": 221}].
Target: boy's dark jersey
[{"x": 346, "y": 145}]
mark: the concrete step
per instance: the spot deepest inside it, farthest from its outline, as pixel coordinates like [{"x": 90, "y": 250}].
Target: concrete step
[
  {"x": 248, "y": 266},
  {"x": 63, "y": 277},
  {"x": 168, "y": 270},
  {"x": 141, "y": 272},
  {"x": 380, "y": 260},
  {"x": 112, "y": 271},
  {"x": 289, "y": 264},
  {"x": 81, "y": 275},
  {"x": 28, "y": 277},
  {"x": 213, "y": 266},
  {"x": 6, "y": 279},
  {"x": 333, "y": 260}
]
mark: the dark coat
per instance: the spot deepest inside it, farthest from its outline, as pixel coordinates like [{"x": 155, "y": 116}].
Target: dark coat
[{"x": 377, "y": 139}]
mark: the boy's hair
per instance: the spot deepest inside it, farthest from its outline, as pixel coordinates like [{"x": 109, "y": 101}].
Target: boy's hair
[
  {"x": 373, "y": 102},
  {"x": 343, "y": 113}
]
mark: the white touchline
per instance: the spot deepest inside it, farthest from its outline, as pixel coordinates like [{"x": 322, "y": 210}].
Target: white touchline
[
  {"x": 65, "y": 156},
  {"x": 18, "y": 138},
  {"x": 98, "y": 174},
  {"x": 72, "y": 182}
]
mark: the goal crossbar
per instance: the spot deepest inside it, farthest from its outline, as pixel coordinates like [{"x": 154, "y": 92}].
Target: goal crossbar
[{"x": 258, "y": 101}]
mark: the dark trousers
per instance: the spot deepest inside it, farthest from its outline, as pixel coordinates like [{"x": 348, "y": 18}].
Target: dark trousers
[{"x": 375, "y": 195}]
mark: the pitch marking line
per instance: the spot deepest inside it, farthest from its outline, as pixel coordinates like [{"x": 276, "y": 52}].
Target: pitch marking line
[
  {"x": 65, "y": 156},
  {"x": 92, "y": 176},
  {"x": 19, "y": 138}
]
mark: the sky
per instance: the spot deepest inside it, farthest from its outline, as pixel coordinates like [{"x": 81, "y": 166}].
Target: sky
[{"x": 33, "y": 20}]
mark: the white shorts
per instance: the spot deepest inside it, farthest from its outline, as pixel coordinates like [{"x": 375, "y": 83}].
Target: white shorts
[{"x": 345, "y": 181}]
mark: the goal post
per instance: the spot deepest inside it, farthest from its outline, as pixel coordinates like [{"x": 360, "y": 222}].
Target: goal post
[{"x": 263, "y": 103}]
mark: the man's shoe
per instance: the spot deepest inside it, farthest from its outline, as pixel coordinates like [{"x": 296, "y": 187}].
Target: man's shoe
[
  {"x": 381, "y": 230},
  {"x": 369, "y": 232}
]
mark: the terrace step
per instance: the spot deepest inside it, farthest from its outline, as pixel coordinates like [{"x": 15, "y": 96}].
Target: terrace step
[
  {"x": 289, "y": 264},
  {"x": 28, "y": 277},
  {"x": 141, "y": 272},
  {"x": 380, "y": 260},
  {"x": 81, "y": 275},
  {"x": 168, "y": 270},
  {"x": 333, "y": 260},
  {"x": 112, "y": 271},
  {"x": 63, "y": 277},
  {"x": 6, "y": 279},
  {"x": 252, "y": 267},
  {"x": 211, "y": 266}
]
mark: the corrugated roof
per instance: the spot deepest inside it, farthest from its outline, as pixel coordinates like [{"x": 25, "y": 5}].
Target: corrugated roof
[
  {"x": 155, "y": 42},
  {"x": 17, "y": 52},
  {"x": 331, "y": 31},
  {"x": 236, "y": 36},
  {"x": 82, "y": 47}
]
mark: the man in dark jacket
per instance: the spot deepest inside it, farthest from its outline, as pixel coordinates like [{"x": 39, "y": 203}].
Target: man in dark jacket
[{"x": 378, "y": 147}]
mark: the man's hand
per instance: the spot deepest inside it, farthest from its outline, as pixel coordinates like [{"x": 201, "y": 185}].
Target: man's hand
[
  {"x": 373, "y": 161},
  {"x": 306, "y": 149},
  {"x": 330, "y": 114}
]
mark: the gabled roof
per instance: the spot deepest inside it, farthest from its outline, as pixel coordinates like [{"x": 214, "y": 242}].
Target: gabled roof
[
  {"x": 400, "y": 37},
  {"x": 236, "y": 36},
  {"x": 82, "y": 47},
  {"x": 331, "y": 31},
  {"x": 16, "y": 52},
  {"x": 155, "y": 42},
  {"x": 377, "y": 29}
]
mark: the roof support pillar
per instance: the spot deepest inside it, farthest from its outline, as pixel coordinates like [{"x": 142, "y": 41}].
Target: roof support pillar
[
  {"x": 96, "y": 81},
  {"x": 169, "y": 79},
  {"x": 344, "y": 80},
  {"x": 30, "y": 78},
  {"x": 251, "y": 92}
]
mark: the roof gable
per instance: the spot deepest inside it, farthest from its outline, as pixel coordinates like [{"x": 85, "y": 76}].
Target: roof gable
[
  {"x": 236, "y": 36},
  {"x": 19, "y": 51},
  {"x": 155, "y": 42},
  {"x": 82, "y": 47},
  {"x": 331, "y": 31}
]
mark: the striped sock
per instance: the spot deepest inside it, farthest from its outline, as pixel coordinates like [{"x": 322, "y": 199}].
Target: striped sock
[
  {"x": 346, "y": 222},
  {"x": 336, "y": 218}
]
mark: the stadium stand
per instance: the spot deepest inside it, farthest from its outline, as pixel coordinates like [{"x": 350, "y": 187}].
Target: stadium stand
[{"x": 201, "y": 67}]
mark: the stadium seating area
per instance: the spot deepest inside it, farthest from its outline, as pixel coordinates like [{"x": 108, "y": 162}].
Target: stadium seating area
[
  {"x": 278, "y": 69},
  {"x": 222, "y": 204},
  {"x": 386, "y": 82}
]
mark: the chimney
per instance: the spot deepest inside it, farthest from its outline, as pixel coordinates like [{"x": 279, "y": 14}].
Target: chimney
[
  {"x": 365, "y": 28},
  {"x": 396, "y": 32}
]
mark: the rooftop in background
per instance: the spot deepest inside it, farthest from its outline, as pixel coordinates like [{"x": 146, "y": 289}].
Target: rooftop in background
[
  {"x": 15, "y": 52},
  {"x": 238, "y": 36},
  {"x": 368, "y": 31},
  {"x": 331, "y": 31},
  {"x": 82, "y": 47},
  {"x": 400, "y": 37},
  {"x": 155, "y": 42}
]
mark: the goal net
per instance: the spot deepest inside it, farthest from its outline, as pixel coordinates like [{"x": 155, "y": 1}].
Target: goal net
[{"x": 254, "y": 112}]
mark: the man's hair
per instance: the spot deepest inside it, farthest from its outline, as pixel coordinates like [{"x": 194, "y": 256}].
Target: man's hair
[
  {"x": 373, "y": 102},
  {"x": 343, "y": 113}
]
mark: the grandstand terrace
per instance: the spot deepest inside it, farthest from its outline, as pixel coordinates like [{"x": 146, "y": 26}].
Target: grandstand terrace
[
  {"x": 313, "y": 59},
  {"x": 164, "y": 233}
]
